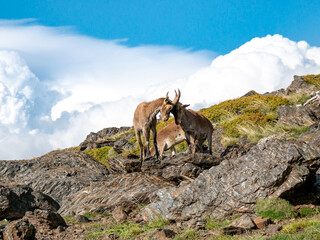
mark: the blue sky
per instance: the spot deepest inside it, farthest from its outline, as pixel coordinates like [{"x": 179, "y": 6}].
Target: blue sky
[
  {"x": 215, "y": 25},
  {"x": 68, "y": 68}
]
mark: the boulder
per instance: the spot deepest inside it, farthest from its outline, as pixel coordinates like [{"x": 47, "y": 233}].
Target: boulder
[
  {"x": 103, "y": 138},
  {"x": 16, "y": 200},
  {"x": 272, "y": 168},
  {"x": 19, "y": 229},
  {"x": 244, "y": 222},
  {"x": 45, "y": 220}
]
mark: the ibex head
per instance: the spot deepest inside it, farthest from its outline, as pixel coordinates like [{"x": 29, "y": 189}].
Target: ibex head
[
  {"x": 168, "y": 105},
  {"x": 177, "y": 112}
]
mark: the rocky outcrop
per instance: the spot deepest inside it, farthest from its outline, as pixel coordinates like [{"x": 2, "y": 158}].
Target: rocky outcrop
[
  {"x": 105, "y": 137},
  {"x": 129, "y": 191},
  {"x": 298, "y": 115},
  {"x": 58, "y": 174},
  {"x": 273, "y": 167},
  {"x": 16, "y": 200}
]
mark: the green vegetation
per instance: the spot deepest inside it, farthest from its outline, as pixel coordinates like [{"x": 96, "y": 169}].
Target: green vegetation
[
  {"x": 312, "y": 79},
  {"x": 275, "y": 208},
  {"x": 303, "y": 224},
  {"x": 244, "y": 105},
  {"x": 307, "y": 212},
  {"x": 100, "y": 154},
  {"x": 126, "y": 230},
  {"x": 239, "y": 237},
  {"x": 188, "y": 234},
  {"x": 215, "y": 224}
]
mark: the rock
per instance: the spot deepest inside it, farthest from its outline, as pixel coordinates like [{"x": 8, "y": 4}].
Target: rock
[
  {"x": 298, "y": 115},
  {"x": 262, "y": 222},
  {"x": 58, "y": 174},
  {"x": 181, "y": 167},
  {"x": 250, "y": 93},
  {"x": 163, "y": 234},
  {"x": 272, "y": 168},
  {"x": 103, "y": 138},
  {"x": 299, "y": 85},
  {"x": 130, "y": 191},
  {"x": 273, "y": 229},
  {"x": 81, "y": 219},
  {"x": 121, "y": 165},
  {"x": 244, "y": 222},
  {"x": 45, "y": 219},
  {"x": 16, "y": 200},
  {"x": 119, "y": 214},
  {"x": 19, "y": 229},
  {"x": 232, "y": 230}
]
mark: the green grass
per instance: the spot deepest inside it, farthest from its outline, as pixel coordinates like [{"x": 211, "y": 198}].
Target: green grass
[
  {"x": 300, "y": 225},
  {"x": 307, "y": 212},
  {"x": 126, "y": 230},
  {"x": 188, "y": 234},
  {"x": 252, "y": 104},
  {"x": 239, "y": 237},
  {"x": 312, "y": 79},
  {"x": 275, "y": 208},
  {"x": 215, "y": 224},
  {"x": 100, "y": 154}
]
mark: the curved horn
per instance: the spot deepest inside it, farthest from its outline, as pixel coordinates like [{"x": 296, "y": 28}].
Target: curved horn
[
  {"x": 177, "y": 97},
  {"x": 167, "y": 96}
]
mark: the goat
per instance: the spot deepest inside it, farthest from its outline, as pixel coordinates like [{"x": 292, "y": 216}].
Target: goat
[
  {"x": 144, "y": 120},
  {"x": 168, "y": 137},
  {"x": 197, "y": 127}
]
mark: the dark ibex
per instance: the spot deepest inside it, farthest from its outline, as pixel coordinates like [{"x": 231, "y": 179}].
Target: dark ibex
[
  {"x": 145, "y": 120},
  {"x": 168, "y": 137},
  {"x": 197, "y": 127}
]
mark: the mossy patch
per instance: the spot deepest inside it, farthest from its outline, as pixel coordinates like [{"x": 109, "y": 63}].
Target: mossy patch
[{"x": 100, "y": 154}]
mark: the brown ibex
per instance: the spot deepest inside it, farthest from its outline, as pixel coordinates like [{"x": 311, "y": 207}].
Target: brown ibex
[
  {"x": 145, "y": 120},
  {"x": 168, "y": 137},
  {"x": 197, "y": 127}
]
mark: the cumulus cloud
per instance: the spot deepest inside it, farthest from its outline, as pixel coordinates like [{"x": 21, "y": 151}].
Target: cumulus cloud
[
  {"x": 56, "y": 86},
  {"x": 262, "y": 64}
]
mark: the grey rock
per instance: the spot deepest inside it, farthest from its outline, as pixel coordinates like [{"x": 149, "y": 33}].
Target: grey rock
[
  {"x": 298, "y": 115},
  {"x": 58, "y": 174},
  {"x": 16, "y": 200},
  {"x": 272, "y": 168},
  {"x": 244, "y": 221},
  {"x": 103, "y": 138},
  {"x": 81, "y": 219}
]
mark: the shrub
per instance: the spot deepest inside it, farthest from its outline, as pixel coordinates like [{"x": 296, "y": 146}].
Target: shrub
[
  {"x": 252, "y": 104},
  {"x": 312, "y": 79},
  {"x": 275, "y": 208},
  {"x": 188, "y": 234}
]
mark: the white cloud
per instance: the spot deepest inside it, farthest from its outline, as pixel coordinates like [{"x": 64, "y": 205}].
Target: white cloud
[
  {"x": 262, "y": 64},
  {"x": 56, "y": 86}
]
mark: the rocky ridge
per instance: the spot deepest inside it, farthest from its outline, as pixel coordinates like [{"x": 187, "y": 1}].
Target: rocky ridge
[{"x": 183, "y": 188}]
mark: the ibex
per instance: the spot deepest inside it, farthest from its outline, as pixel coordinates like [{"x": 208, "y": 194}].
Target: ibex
[
  {"x": 168, "y": 137},
  {"x": 145, "y": 120},
  {"x": 197, "y": 127}
]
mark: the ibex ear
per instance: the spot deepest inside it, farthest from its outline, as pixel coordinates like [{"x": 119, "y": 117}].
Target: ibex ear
[{"x": 185, "y": 105}]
